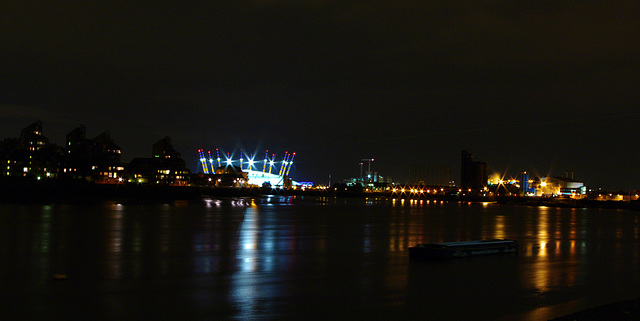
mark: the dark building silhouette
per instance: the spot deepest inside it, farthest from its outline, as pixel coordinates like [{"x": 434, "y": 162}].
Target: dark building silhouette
[
  {"x": 76, "y": 140},
  {"x": 164, "y": 149},
  {"x": 8, "y": 157},
  {"x": 429, "y": 175},
  {"x": 164, "y": 168},
  {"x": 97, "y": 159},
  {"x": 473, "y": 174}
]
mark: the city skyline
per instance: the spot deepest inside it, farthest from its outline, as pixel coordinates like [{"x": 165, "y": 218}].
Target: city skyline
[
  {"x": 546, "y": 87},
  {"x": 473, "y": 173}
]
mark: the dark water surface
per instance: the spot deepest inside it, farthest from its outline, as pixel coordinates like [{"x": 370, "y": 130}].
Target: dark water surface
[{"x": 309, "y": 258}]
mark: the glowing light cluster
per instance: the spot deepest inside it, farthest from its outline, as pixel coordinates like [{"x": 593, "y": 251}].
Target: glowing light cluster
[{"x": 208, "y": 163}]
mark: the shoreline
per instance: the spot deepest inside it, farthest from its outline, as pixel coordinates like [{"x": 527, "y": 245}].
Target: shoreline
[
  {"x": 623, "y": 310},
  {"x": 50, "y": 191}
]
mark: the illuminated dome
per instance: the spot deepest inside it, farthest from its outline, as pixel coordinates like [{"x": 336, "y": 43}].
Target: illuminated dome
[
  {"x": 245, "y": 164},
  {"x": 259, "y": 178}
]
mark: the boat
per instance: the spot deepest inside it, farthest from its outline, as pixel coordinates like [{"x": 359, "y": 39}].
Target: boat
[{"x": 447, "y": 250}]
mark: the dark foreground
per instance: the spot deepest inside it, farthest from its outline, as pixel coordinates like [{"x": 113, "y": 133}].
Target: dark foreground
[{"x": 625, "y": 310}]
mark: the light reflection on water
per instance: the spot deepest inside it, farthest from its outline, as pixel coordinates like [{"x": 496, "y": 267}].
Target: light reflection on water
[{"x": 293, "y": 257}]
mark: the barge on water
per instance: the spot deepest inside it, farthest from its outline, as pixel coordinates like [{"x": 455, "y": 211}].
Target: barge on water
[{"x": 447, "y": 250}]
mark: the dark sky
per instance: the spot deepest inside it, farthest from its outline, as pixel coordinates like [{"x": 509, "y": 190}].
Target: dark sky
[{"x": 542, "y": 86}]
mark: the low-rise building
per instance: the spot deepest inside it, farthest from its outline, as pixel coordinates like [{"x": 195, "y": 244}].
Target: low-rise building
[
  {"x": 164, "y": 168},
  {"x": 561, "y": 186}
]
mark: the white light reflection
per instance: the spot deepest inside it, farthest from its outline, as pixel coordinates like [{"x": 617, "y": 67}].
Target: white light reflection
[
  {"x": 43, "y": 241},
  {"x": 208, "y": 203},
  {"x": 249, "y": 239},
  {"x": 244, "y": 289},
  {"x": 114, "y": 245}
]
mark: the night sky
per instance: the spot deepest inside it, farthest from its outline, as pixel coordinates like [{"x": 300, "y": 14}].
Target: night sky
[{"x": 542, "y": 86}]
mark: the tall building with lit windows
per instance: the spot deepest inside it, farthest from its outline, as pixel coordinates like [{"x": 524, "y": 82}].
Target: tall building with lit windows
[
  {"x": 97, "y": 159},
  {"x": 31, "y": 137},
  {"x": 36, "y": 156}
]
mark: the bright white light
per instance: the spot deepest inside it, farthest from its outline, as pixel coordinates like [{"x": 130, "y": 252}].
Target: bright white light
[
  {"x": 228, "y": 161},
  {"x": 251, "y": 163}
]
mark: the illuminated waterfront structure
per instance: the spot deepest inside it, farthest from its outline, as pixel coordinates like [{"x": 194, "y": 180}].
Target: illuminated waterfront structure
[
  {"x": 250, "y": 174},
  {"x": 561, "y": 186}
]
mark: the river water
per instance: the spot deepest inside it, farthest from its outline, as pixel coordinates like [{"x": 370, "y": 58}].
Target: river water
[{"x": 309, "y": 258}]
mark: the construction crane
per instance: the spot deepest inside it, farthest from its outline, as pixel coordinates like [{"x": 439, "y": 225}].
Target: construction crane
[{"x": 368, "y": 160}]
